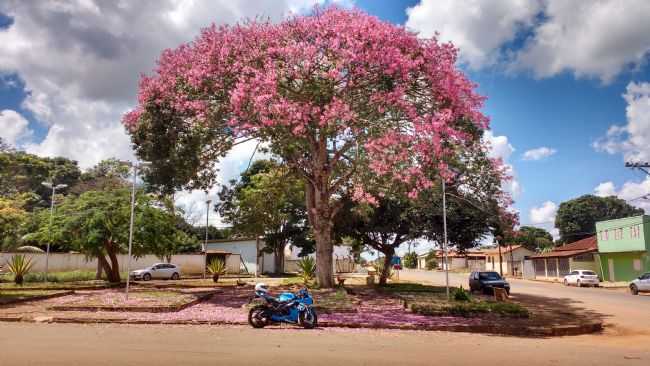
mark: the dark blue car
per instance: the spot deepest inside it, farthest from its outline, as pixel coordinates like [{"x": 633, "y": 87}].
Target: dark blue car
[{"x": 486, "y": 282}]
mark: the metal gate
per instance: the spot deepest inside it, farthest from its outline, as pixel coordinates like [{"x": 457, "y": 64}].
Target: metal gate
[
  {"x": 564, "y": 266},
  {"x": 540, "y": 268}
]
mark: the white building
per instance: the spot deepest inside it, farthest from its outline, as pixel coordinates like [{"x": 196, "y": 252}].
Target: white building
[{"x": 511, "y": 259}]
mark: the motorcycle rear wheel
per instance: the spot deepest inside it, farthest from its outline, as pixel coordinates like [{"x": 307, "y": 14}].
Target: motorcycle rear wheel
[
  {"x": 308, "y": 319},
  {"x": 258, "y": 316}
]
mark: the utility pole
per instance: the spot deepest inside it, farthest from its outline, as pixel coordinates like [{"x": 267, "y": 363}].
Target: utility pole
[
  {"x": 500, "y": 259},
  {"x": 207, "y": 226},
  {"x": 49, "y": 228},
  {"x": 128, "y": 261}
]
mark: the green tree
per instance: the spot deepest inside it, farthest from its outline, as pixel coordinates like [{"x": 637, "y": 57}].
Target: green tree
[
  {"x": 97, "y": 224},
  {"x": 533, "y": 238},
  {"x": 268, "y": 201},
  {"x": 106, "y": 175},
  {"x": 411, "y": 260},
  {"x": 12, "y": 219},
  {"x": 21, "y": 172},
  {"x": 576, "y": 219}
]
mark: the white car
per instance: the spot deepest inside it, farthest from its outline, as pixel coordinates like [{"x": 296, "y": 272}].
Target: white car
[
  {"x": 641, "y": 284},
  {"x": 166, "y": 271},
  {"x": 581, "y": 277}
]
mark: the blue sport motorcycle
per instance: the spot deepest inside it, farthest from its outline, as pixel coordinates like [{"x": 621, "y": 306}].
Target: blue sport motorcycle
[{"x": 286, "y": 308}]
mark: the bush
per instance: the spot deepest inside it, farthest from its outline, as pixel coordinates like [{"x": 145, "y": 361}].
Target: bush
[
  {"x": 217, "y": 268},
  {"x": 459, "y": 294},
  {"x": 411, "y": 260},
  {"x": 19, "y": 265},
  {"x": 431, "y": 262},
  {"x": 470, "y": 308},
  {"x": 307, "y": 270}
]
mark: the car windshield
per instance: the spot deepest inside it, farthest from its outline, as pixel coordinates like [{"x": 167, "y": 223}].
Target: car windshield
[
  {"x": 589, "y": 273},
  {"x": 489, "y": 276}
]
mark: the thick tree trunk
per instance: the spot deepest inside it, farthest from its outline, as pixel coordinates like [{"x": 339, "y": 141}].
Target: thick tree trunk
[
  {"x": 103, "y": 263},
  {"x": 278, "y": 259},
  {"x": 98, "y": 274},
  {"x": 383, "y": 277},
  {"x": 320, "y": 218},
  {"x": 114, "y": 273}
]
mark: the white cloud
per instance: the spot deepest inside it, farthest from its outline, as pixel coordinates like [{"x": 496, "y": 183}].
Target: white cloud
[
  {"x": 543, "y": 214},
  {"x": 500, "y": 148},
  {"x": 14, "y": 128},
  {"x": 589, "y": 38},
  {"x": 81, "y": 60},
  {"x": 633, "y": 192},
  {"x": 596, "y": 39},
  {"x": 632, "y": 139},
  {"x": 539, "y": 153},
  {"x": 478, "y": 28}
]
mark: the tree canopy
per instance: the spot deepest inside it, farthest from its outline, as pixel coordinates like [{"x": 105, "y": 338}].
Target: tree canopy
[
  {"x": 332, "y": 94},
  {"x": 268, "y": 201},
  {"x": 576, "y": 219},
  {"x": 533, "y": 238}
]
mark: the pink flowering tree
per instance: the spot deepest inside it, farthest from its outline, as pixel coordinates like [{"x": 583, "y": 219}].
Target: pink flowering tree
[{"x": 340, "y": 96}]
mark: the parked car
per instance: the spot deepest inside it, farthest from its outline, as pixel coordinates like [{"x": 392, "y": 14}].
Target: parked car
[
  {"x": 487, "y": 281},
  {"x": 641, "y": 284},
  {"x": 157, "y": 271},
  {"x": 581, "y": 277}
]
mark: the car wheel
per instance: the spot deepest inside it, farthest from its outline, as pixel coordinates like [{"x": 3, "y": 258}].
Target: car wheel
[
  {"x": 175, "y": 276},
  {"x": 146, "y": 277},
  {"x": 566, "y": 283},
  {"x": 634, "y": 290}
]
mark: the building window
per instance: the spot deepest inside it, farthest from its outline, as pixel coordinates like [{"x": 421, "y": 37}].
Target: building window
[
  {"x": 606, "y": 235},
  {"x": 635, "y": 231},
  {"x": 637, "y": 264}
]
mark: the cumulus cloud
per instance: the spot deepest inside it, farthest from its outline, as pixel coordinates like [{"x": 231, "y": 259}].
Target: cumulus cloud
[
  {"x": 543, "y": 214},
  {"x": 597, "y": 39},
  {"x": 633, "y": 138},
  {"x": 635, "y": 193},
  {"x": 80, "y": 61},
  {"x": 14, "y": 128},
  {"x": 478, "y": 28},
  {"x": 539, "y": 153},
  {"x": 589, "y": 38},
  {"x": 500, "y": 148}
]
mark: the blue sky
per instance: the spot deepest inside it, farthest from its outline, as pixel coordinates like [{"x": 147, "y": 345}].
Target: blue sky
[{"x": 555, "y": 74}]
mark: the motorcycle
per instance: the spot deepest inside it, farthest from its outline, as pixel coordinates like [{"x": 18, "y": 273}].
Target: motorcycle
[{"x": 286, "y": 308}]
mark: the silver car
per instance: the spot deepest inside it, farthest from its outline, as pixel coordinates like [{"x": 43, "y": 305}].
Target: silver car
[
  {"x": 165, "y": 271},
  {"x": 641, "y": 284}
]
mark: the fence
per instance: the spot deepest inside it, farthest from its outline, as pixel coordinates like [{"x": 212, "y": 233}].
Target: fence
[
  {"x": 63, "y": 262},
  {"x": 341, "y": 265}
]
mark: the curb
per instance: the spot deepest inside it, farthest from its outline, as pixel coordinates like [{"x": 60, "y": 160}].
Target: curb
[
  {"x": 136, "y": 309},
  {"x": 534, "y": 332},
  {"x": 38, "y": 298}
]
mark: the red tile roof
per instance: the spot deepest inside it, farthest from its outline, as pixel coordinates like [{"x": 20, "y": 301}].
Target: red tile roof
[
  {"x": 504, "y": 249},
  {"x": 586, "y": 245}
]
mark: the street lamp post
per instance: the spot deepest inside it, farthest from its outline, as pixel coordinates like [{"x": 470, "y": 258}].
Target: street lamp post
[
  {"x": 49, "y": 229},
  {"x": 207, "y": 225},
  {"x": 128, "y": 261}
]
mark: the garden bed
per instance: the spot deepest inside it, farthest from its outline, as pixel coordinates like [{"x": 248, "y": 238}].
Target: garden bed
[
  {"x": 14, "y": 296},
  {"x": 139, "y": 301}
]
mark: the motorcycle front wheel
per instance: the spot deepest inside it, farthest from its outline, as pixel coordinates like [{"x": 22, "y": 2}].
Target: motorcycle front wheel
[
  {"x": 308, "y": 319},
  {"x": 258, "y": 316}
]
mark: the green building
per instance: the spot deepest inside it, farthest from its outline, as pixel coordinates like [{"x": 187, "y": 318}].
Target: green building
[{"x": 624, "y": 247}]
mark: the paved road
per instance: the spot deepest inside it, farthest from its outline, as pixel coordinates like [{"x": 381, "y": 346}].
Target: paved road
[
  {"x": 97, "y": 345},
  {"x": 629, "y": 313}
]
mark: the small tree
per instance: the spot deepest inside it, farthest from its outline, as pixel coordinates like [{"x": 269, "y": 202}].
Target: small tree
[
  {"x": 431, "y": 261},
  {"x": 411, "y": 260},
  {"x": 20, "y": 266}
]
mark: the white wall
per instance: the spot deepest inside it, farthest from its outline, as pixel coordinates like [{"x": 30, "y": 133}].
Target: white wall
[
  {"x": 60, "y": 262},
  {"x": 245, "y": 248}
]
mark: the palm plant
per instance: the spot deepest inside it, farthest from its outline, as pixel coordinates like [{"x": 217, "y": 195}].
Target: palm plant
[
  {"x": 218, "y": 268},
  {"x": 19, "y": 265},
  {"x": 307, "y": 269}
]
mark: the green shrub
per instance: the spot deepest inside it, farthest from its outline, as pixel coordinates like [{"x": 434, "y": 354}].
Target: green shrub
[
  {"x": 470, "y": 308},
  {"x": 217, "y": 268},
  {"x": 411, "y": 260},
  {"x": 459, "y": 294},
  {"x": 431, "y": 262},
  {"x": 19, "y": 265},
  {"x": 307, "y": 270},
  {"x": 56, "y": 277}
]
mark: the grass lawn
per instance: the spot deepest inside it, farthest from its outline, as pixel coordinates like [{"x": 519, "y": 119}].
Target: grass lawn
[
  {"x": 336, "y": 300},
  {"x": 431, "y": 300},
  {"x": 11, "y": 296}
]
